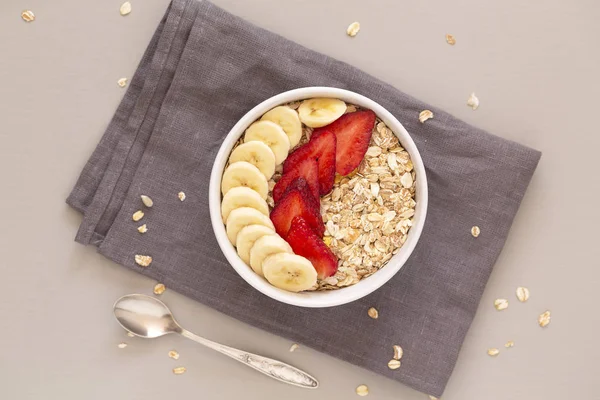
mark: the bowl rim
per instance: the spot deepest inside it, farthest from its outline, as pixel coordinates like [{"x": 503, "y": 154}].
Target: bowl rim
[{"x": 321, "y": 298}]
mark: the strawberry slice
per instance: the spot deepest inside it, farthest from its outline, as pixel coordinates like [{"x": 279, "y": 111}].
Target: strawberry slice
[
  {"x": 321, "y": 147},
  {"x": 353, "y": 133},
  {"x": 307, "y": 169},
  {"x": 306, "y": 244},
  {"x": 301, "y": 184},
  {"x": 297, "y": 202}
]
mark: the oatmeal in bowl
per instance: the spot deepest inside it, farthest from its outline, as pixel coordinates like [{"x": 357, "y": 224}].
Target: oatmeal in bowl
[{"x": 318, "y": 196}]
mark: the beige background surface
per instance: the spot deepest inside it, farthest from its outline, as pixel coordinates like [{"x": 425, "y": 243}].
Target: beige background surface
[{"x": 534, "y": 66}]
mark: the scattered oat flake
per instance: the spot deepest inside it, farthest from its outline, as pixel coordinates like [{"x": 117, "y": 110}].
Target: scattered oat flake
[
  {"x": 493, "y": 352},
  {"x": 473, "y": 102},
  {"x": 450, "y": 39},
  {"x": 28, "y": 16},
  {"x": 147, "y": 201},
  {"x": 544, "y": 319},
  {"x": 362, "y": 390},
  {"x": 144, "y": 261},
  {"x": 398, "y": 352},
  {"x": 475, "y": 231},
  {"x": 174, "y": 355},
  {"x": 293, "y": 347},
  {"x": 353, "y": 29},
  {"x": 522, "y": 294},
  {"x": 373, "y": 313},
  {"x": 122, "y": 345},
  {"x": 509, "y": 344},
  {"x": 159, "y": 288},
  {"x": 125, "y": 8},
  {"x": 327, "y": 240},
  {"x": 432, "y": 397},
  {"x": 179, "y": 370},
  {"x": 501, "y": 304},
  {"x": 181, "y": 196},
  {"x": 394, "y": 364},
  {"x": 130, "y": 334},
  {"x": 138, "y": 215},
  {"x": 142, "y": 229},
  {"x": 425, "y": 115},
  {"x": 122, "y": 82}
]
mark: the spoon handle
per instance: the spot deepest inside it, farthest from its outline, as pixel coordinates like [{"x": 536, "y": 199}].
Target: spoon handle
[{"x": 273, "y": 368}]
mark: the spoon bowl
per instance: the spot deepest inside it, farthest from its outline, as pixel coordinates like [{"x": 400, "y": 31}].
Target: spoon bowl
[{"x": 145, "y": 316}]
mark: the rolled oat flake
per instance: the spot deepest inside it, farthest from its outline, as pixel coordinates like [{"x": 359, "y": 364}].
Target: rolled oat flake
[
  {"x": 28, "y": 16},
  {"x": 147, "y": 201},
  {"x": 179, "y": 370},
  {"x": 373, "y": 313},
  {"x": 522, "y": 294},
  {"x": 425, "y": 115},
  {"x": 159, "y": 288},
  {"x": 137, "y": 215},
  {"x": 501, "y": 304},
  {"x": 493, "y": 352},
  {"x": 544, "y": 319},
  {"x": 473, "y": 102},
  {"x": 353, "y": 29},
  {"x": 362, "y": 390},
  {"x": 143, "y": 260},
  {"x": 125, "y": 8},
  {"x": 398, "y": 352}
]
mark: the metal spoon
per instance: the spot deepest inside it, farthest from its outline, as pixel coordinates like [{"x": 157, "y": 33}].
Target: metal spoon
[{"x": 148, "y": 317}]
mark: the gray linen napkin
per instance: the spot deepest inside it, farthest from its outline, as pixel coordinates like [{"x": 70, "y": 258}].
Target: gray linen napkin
[{"x": 205, "y": 68}]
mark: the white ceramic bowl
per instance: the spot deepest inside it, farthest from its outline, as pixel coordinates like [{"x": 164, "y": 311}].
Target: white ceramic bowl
[{"x": 330, "y": 297}]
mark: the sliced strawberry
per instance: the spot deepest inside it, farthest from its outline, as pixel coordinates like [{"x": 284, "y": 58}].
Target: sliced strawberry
[
  {"x": 295, "y": 203},
  {"x": 321, "y": 147},
  {"x": 306, "y": 244},
  {"x": 353, "y": 133},
  {"x": 301, "y": 184},
  {"x": 308, "y": 169}
]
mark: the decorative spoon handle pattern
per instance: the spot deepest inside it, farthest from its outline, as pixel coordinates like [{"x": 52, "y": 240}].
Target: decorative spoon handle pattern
[{"x": 273, "y": 368}]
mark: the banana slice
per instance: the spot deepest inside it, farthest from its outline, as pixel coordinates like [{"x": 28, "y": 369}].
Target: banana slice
[
  {"x": 243, "y": 173},
  {"x": 272, "y": 135},
  {"x": 320, "y": 112},
  {"x": 247, "y": 237},
  {"x": 289, "y": 272},
  {"x": 288, "y": 119},
  {"x": 256, "y": 153},
  {"x": 264, "y": 247},
  {"x": 242, "y": 197},
  {"x": 242, "y": 217}
]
